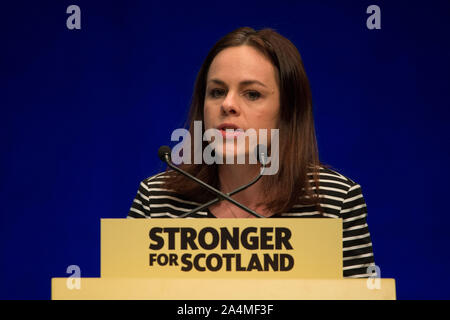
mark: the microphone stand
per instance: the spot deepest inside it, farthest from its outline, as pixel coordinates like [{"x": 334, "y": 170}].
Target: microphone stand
[
  {"x": 221, "y": 195},
  {"x": 211, "y": 202}
]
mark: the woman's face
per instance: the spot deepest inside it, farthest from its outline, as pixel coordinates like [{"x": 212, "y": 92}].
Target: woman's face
[{"x": 241, "y": 93}]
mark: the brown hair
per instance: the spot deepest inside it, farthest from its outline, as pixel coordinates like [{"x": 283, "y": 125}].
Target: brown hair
[{"x": 298, "y": 145}]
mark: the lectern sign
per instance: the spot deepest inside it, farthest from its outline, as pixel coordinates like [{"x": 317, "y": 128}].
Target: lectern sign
[
  {"x": 220, "y": 248},
  {"x": 265, "y": 245}
]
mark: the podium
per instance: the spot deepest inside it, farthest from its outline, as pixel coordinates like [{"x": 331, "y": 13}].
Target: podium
[{"x": 221, "y": 259}]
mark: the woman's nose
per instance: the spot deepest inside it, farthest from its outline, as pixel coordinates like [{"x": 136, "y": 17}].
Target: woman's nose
[{"x": 230, "y": 104}]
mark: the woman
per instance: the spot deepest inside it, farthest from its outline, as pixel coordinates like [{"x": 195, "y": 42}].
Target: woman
[{"x": 256, "y": 80}]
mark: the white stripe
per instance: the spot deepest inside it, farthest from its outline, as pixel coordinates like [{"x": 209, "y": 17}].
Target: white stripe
[
  {"x": 331, "y": 181},
  {"x": 356, "y": 237},
  {"x": 356, "y": 227},
  {"x": 365, "y": 275},
  {"x": 142, "y": 196},
  {"x": 300, "y": 214},
  {"x": 359, "y": 256},
  {"x": 174, "y": 198},
  {"x": 337, "y": 175},
  {"x": 356, "y": 266},
  {"x": 353, "y": 198},
  {"x": 168, "y": 205},
  {"x": 330, "y": 215},
  {"x": 137, "y": 211},
  {"x": 155, "y": 182},
  {"x": 355, "y": 186},
  {"x": 330, "y": 206},
  {"x": 199, "y": 213},
  {"x": 158, "y": 175},
  {"x": 355, "y": 218},
  {"x": 163, "y": 215},
  {"x": 357, "y": 247},
  {"x": 340, "y": 175},
  {"x": 158, "y": 189},
  {"x": 162, "y": 175},
  {"x": 325, "y": 196},
  {"x": 311, "y": 213},
  {"x": 142, "y": 205},
  {"x": 331, "y": 189},
  {"x": 144, "y": 186},
  {"x": 354, "y": 208}
]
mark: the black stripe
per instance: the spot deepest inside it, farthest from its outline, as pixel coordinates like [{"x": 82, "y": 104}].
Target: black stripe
[
  {"x": 356, "y": 242},
  {"x": 331, "y": 185},
  {"x": 357, "y": 252},
  {"x": 172, "y": 202},
  {"x": 357, "y": 232},
  {"x": 353, "y": 223},
  {"x": 356, "y": 271},
  {"x": 357, "y": 261},
  {"x": 135, "y": 214}
]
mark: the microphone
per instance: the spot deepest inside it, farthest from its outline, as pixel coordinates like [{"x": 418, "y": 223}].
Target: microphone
[{"x": 164, "y": 155}]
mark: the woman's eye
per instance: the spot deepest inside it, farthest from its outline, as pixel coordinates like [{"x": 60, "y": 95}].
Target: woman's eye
[
  {"x": 253, "y": 95},
  {"x": 216, "y": 93}
]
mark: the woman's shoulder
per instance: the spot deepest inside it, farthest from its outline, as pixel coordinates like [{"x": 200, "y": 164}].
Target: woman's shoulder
[
  {"x": 335, "y": 186},
  {"x": 334, "y": 189},
  {"x": 163, "y": 202},
  {"x": 331, "y": 175},
  {"x": 155, "y": 185},
  {"x": 157, "y": 178}
]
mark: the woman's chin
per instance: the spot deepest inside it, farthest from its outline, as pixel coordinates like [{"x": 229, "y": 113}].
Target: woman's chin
[{"x": 233, "y": 155}]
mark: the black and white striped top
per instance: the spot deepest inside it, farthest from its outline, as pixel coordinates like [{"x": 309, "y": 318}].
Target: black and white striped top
[{"x": 341, "y": 197}]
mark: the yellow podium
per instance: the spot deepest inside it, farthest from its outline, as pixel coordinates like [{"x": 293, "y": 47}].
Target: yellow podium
[{"x": 221, "y": 259}]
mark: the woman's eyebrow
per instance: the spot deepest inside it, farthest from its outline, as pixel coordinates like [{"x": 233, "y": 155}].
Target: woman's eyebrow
[{"x": 242, "y": 83}]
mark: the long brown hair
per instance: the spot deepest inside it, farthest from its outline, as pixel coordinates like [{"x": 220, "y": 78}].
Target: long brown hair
[{"x": 298, "y": 145}]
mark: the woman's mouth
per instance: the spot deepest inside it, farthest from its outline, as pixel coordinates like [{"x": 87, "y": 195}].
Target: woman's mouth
[{"x": 230, "y": 131}]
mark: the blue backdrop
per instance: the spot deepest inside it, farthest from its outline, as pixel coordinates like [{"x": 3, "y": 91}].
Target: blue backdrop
[{"x": 83, "y": 113}]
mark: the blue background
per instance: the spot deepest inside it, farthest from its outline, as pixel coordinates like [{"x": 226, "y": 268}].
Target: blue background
[{"x": 83, "y": 113}]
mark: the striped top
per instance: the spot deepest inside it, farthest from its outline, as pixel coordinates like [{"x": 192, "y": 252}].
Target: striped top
[{"x": 340, "y": 196}]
